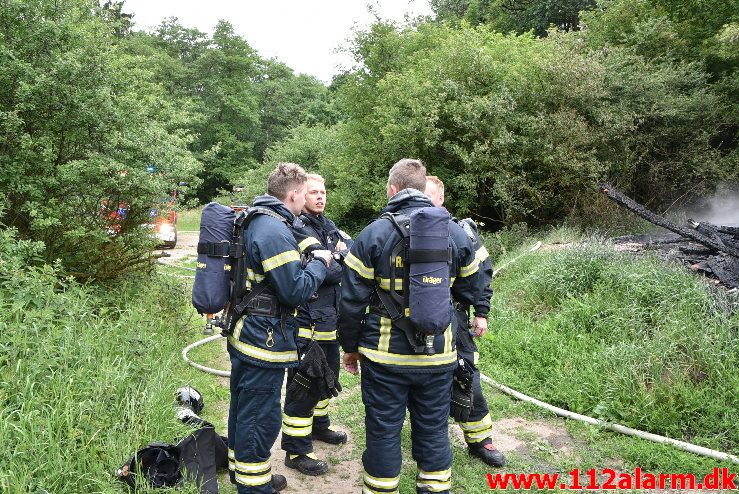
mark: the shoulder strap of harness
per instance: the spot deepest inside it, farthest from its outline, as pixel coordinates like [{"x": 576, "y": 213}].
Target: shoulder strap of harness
[{"x": 240, "y": 296}]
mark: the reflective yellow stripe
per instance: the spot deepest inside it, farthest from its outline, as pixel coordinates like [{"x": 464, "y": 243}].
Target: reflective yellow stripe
[
  {"x": 307, "y": 243},
  {"x": 381, "y": 482},
  {"x": 476, "y": 437},
  {"x": 385, "y": 327},
  {"x": 252, "y": 468},
  {"x": 444, "y": 475},
  {"x": 321, "y": 408},
  {"x": 259, "y": 353},
  {"x": 475, "y": 357},
  {"x": 367, "y": 490},
  {"x": 434, "y": 481},
  {"x": 477, "y": 425},
  {"x": 384, "y": 283},
  {"x": 254, "y": 481},
  {"x": 452, "y": 280},
  {"x": 416, "y": 360},
  {"x": 482, "y": 254},
  {"x": 324, "y": 335},
  {"x": 470, "y": 269},
  {"x": 434, "y": 486},
  {"x": 448, "y": 339},
  {"x": 353, "y": 262},
  {"x": 296, "y": 421},
  {"x": 254, "y": 276},
  {"x": 312, "y": 334},
  {"x": 280, "y": 259}
]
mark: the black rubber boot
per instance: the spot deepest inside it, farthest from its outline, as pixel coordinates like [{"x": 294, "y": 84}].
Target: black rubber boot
[
  {"x": 279, "y": 482},
  {"x": 329, "y": 436},
  {"x": 305, "y": 464},
  {"x": 491, "y": 456}
]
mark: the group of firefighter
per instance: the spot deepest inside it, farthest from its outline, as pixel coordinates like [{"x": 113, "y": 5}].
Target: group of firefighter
[{"x": 324, "y": 290}]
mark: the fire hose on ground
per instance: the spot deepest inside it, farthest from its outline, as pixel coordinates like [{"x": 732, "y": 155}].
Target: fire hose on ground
[{"x": 691, "y": 448}]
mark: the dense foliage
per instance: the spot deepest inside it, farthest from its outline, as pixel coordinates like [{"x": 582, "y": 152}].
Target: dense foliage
[
  {"x": 79, "y": 124},
  {"x": 87, "y": 376},
  {"x": 521, "y": 126}
]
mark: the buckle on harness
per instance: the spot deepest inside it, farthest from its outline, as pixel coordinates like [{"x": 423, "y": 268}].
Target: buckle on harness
[{"x": 215, "y": 249}]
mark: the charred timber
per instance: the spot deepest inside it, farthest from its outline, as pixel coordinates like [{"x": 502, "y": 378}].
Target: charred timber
[{"x": 705, "y": 234}]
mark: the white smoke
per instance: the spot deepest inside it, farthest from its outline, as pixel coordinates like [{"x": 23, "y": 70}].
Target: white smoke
[{"x": 722, "y": 208}]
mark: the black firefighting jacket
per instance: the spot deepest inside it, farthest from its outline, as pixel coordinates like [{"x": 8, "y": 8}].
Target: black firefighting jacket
[
  {"x": 317, "y": 318},
  {"x": 376, "y": 337},
  {"x": 272, "y": 254},
  {"x": 481, "y": 305}
]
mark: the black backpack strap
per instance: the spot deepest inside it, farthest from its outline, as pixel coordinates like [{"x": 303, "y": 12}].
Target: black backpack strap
[{"x": 240, "y": 297}]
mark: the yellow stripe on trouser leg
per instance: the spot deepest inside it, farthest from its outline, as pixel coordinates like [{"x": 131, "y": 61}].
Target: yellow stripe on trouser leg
[
  {"x": 434, "y": 481},
  {"x": 253, "y": 474},
  {"x": 297, "y": 426},
  {"x": 475, "y": 432},
  {"x": 321, "y": 409},
  {"x": 231, "y": 459},
  {"x": 380, "y": 485}
]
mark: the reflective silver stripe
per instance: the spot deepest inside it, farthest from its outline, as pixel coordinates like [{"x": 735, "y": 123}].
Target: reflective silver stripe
[
  {"x": 482, "y": 254},
  {"x": 252, "y": 468}
]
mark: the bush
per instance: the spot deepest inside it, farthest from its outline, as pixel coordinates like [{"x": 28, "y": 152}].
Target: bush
[
  {"x": 87, "y": 374},
  {"x": 80, "y": 122}
]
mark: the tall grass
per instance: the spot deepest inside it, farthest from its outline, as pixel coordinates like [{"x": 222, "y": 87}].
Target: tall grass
[
  {"x": 633, "y": 340},
  {"x": 87, "y": 374}
]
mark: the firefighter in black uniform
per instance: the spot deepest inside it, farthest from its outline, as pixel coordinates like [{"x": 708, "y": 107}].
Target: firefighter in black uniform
[
  {"x": 263, "y": 342},
  {"x": 478, "y": 428},
  {"x": 316, "y": 320},
  {"x": 394, "y": 376}
]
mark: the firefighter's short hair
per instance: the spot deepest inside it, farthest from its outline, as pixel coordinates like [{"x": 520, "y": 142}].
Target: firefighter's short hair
[
  {"x": 284, "y": 178},
  {"x": 436, "y": 181},
  {"x": 408, "y": 173}
]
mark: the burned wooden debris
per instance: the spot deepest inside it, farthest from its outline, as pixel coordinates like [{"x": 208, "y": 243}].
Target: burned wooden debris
[{"x": 710, "y": 249}]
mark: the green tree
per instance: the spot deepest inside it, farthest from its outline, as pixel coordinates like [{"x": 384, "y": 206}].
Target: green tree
[
  {"x": 79, "y": 123},
  {"x": 518, "y": 16}
]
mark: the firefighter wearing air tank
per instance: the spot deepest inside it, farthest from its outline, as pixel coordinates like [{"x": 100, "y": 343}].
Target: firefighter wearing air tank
[
  {"x": 477, "y": 425},
  {"x": 406, "y": 340},
  {"x": 262, "y": 344},
  {"x": 317, "y": 318}
]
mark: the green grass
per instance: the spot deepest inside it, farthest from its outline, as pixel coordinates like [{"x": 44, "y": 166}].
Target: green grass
[
  {"x": 87, "y": 376},
  {"x": 636, "y": 341},
  {"x": 189, "y": 220}
]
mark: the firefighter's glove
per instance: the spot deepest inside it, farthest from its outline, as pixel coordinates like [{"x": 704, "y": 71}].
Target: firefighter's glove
[
  {"x": 462, "y": 396},
  {"x": 306, "y": 385}
]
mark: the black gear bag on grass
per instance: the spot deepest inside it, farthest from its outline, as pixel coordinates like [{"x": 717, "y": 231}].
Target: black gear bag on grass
[{"x": 196, "y": 458}]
